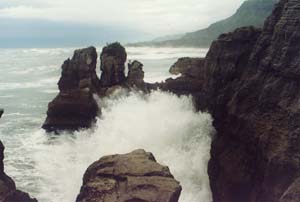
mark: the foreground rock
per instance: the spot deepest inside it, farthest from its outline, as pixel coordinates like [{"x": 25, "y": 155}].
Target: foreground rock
[
  {"x": 249, "y": 82},
  {"x": 133, "y": 177},
  {"x": 74, "y": 107},
  {"x": 8, "y": 191}
]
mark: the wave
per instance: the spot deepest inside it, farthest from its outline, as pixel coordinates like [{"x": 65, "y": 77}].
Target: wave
[{"x": 51, "y": 167}]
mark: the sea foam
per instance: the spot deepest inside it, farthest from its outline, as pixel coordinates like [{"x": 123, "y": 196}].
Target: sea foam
[{"x": 160, "y": 122}]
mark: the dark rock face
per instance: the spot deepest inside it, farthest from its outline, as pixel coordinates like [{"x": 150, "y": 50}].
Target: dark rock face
[
  {"x": 74, "y": 107},
  {"x": 80, "y": 71},
  {"x": 135, "y": 73},
  {"x": 133, "y": 177},
  {"x": 113, "y": 58},
  {"x": 1, "y": 112},
  {"x": 187, "y": 66},
  {"x": 250, "y": 84},
  {"x": 135, "y": 77},
  {"x": 71, "y": 111},
  {"x": 8, "y": 191}
]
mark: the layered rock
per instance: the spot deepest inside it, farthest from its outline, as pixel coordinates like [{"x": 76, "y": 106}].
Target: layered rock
[
  {"x": 135, "y": 77},
  {"x": 74, "y": 107},
  {"x": 113, "y": 58},
  {"x": 187, "y": 66},
  {"x": 250, "y": 84},
  {"x": 8, "y": 191},
  {"x": 133, "y": 177}
]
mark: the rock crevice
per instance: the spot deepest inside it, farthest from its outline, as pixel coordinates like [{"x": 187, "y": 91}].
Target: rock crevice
[{"x": 250, "y": 85}]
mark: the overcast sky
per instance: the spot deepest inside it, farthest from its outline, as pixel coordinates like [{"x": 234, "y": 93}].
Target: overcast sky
[{"x": 150, "y": 16}]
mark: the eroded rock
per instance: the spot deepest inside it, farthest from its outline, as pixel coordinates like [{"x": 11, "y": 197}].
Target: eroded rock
[
  {"x": 133, "y": 177},
  {"x": 113, "y": 58},
  {"x": 75, "y": 107},
  {"x": 71, "y": 110},
  {"x": 250, "y": 85},
  {"x": 80, "y": 71},
  {"x": 135, "y": 77},
  {"x": 8, "y": 191},
  {"x": 187, "y": 67}
]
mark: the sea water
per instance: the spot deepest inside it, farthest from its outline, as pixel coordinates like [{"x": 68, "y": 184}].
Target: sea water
[{"x": 50, "y": 167}]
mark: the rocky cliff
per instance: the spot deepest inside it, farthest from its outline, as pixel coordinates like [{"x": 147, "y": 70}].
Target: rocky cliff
[
  {"x": 133, "y": 177},
  {"x": 250, "y": 82},
  {"x": 8, "y": 191}
]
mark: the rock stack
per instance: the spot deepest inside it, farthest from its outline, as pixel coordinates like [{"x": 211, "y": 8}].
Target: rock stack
[
  {"x": 74, "y": 107},
  {"x": 113, "y": 58}
]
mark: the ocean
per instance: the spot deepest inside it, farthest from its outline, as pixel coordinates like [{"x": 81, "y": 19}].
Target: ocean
[{"x": 50, "y": 167}]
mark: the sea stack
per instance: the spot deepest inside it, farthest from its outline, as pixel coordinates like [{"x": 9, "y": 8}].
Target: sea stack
[
  {"x": 75, "y": 107},
  {"x": 135, "y": 177},
  {"x": 113, "y": 58}
]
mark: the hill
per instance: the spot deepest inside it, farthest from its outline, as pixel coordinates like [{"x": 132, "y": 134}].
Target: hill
[{"x": 251, "y": 13}]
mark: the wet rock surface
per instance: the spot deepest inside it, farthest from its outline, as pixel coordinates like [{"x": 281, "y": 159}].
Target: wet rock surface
[
  {"x": 74, "y": 107},
  {"x": 187, "y": 66},
  {"x": 8, "y": 191},
  {"x": 71, "y": 110},
  {"x": 80, "y": 71},
  {"x": 250, "y": 84},
  {"x": 113, "y": 58},
  {"x": 135, "y": 77},
  {"x": 135, "y": 177}
]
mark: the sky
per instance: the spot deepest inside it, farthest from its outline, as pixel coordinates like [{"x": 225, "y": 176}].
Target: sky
[{"x": 129, "y": 20}]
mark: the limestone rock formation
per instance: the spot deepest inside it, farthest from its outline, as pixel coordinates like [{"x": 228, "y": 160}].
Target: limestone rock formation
[
  {"x": 80, "y": 71},
  {"x": 8, "y": 191},
  {"x": 74, "y": 107},
  {"x": 133, "y": 177},
  {"x": 250, "y": 85},
  {"x": 113, "y": 58},
  {"x": 135, "y": 77},
  {"x": 135, "y": 73},
  {"x": 187, "y": 66},
  {"x": 71, "y": 111}
]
